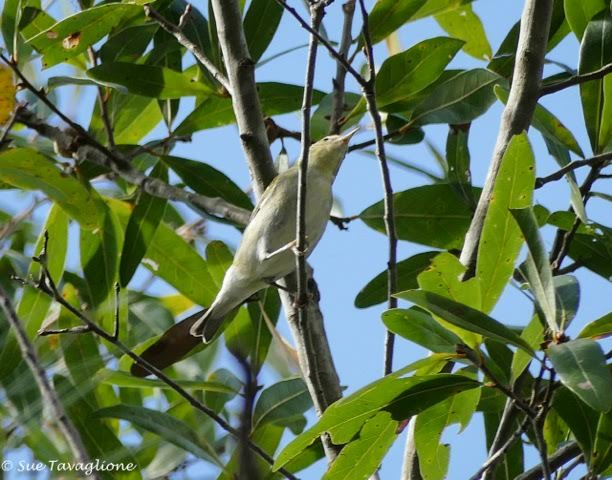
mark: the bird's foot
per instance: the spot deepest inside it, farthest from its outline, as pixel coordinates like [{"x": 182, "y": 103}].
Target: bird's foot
[{"x": 297, "y": 251}]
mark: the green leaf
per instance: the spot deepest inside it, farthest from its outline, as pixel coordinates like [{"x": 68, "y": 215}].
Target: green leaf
[
  {"x": 375, "y": 291},
  {"x": 443, "y": 277},
  {"x": 98, "y": 438},
  {"x": 464, "y": 24},
  {"x": 433, "y": 215},
  {"x": 141, "y": 227},
  {"x": 217, "y": 400},
  {"x": 33, "y": 21},
  {"x": 261, "y": 335},
  {"x": 389, "y": 15},
  {"x": 501, "y": 238},
  {"x": 567, "y": 292},
  {"x": 464, "y": 317},
  {"x": 579, "y": 14},
  {"x": 581, "y": 366},
  {"x": 458, "y": 159},
  {"x": 581, "y": 420},
  {"x": 260, "y": 24},
  {"x": 409, "y": 72},
  {"x": 596, "y": 52},
  {"x": 148, "y": 80},
  {"x": 100, "y": 250},
  {"x": 435, "y": 7},
  {"x": 275, "y": 98},
  {"x": 536, "y": 269},
  {"x": 128, "y": 44},
  {"x": 73, "y": 35},
  {"x": 433, "y": 454},
  {"x": 600, "y": 328},
  {"x": 27, "y": 169},
  {"x": 282, "y": 403},
  {"x": 533, "y": 334},
  {"x": 419, "y": 327},
  {"x": 361, "y": 457},
  {"x": 458, "y": 100},
  {"x": 34, "y": 304},
  {"x": 401, "y": 397},
  {"x": 132, "y": 116},
  {"x": 319, "y": 123},
  {"x": 8, "y": 24},
  {"x": 166, "y": 426},
  {"x": 125, "y": 380},
  {"x": 602, "y": 450},
  {"x": 208, "y": 181},
  {"x": 185, "y": 270}
]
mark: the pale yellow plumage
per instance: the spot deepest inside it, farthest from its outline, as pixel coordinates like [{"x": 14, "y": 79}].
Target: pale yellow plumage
[{"x": 272, "y": 228}]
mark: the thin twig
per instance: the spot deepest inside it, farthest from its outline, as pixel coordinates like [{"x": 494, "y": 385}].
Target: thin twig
[
  {"x": 323, "y": 41},
  {"x": 369, "y": 91},
  {"x": 498, "y": 455},
  {"x": 602, "y": 159},
  {"x": 476, "y": 358},
  {"x": 47, "y": 285},
  {"x": 576, "y": 80},
  {"x": 177, "y": 32},
  {"x": 337, "y": 110},
  {"x": 164, "y": 144},
  {"x": 47, "y": 391}
]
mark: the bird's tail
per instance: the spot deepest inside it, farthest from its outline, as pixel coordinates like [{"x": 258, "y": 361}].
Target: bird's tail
[{"x": 209, "y": 323}]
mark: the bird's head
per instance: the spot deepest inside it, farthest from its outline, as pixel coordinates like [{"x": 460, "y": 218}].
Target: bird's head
[{"x": 327, "y": 154}]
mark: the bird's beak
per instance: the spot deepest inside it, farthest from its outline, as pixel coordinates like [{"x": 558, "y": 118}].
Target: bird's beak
[{"x": 347, "y": 137}]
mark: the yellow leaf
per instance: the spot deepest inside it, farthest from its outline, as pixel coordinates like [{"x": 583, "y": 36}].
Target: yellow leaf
[{"x": 7, "y": 94}]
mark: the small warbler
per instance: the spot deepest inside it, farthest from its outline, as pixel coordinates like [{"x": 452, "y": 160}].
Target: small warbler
[{"x": 266, "y": 252}]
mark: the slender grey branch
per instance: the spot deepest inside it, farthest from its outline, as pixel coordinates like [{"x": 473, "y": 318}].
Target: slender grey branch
[
  {"x": 314, "y": 353},
  {"x": 600, "y": 159},
  {"x": 245, "y": 100},
  {"x": 316, "y": 15},
  {"x": 177, "y": 32},
  {"x": 524, "y": 94},
  {"x": 576, "y": 80},
  {"x": 556, "y": 460},
  {"x": 537, "y": 425},
  {"x": 323, "y": 41},
  {"x": 337, "y": 110},
  {"x": 410, "y": 464},
  {"x": 68, "y": 143},
  {"x": 369, "y": 91},
  {"x": 48, "y": 286},
  {"x": 47, "y": 391}
]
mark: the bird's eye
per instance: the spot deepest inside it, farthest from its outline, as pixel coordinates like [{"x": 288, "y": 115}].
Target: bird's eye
[{"x": 326, "y": 139}]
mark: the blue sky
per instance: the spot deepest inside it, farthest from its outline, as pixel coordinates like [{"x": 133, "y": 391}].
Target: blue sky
[{"x": 345, "y": 261}]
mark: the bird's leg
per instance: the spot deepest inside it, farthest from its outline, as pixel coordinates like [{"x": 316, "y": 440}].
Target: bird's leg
[
  {"x": 282, "y": 249},
  {"x": 272, "y": 283}
]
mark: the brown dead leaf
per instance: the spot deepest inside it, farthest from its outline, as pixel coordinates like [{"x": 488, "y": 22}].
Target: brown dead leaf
[{"x": 72, "y": 41}]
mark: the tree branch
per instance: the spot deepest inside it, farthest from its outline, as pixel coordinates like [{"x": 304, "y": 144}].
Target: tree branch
[
  {"x": 597, "y": 160},
  {"x": 369, "y": 91},
  {"x": 70, "y": 144},
  {"x": 312, "y": 346},
  {"x": 556, "y": 460},
  {"x": 47, "y": 391},
  {"x": 177, "y": 32},
  {"x": 524, "y": 93},
  {"x": 576, "y": 80},
  {"x": 245, "y": 100},
  {"x": 337, "y": 110}
]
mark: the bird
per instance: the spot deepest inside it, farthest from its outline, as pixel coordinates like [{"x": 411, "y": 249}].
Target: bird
[{"x": 266, "y": 251}]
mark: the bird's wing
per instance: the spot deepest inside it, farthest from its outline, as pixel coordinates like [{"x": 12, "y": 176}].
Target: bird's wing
[{"x": 270, "y": 190}]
